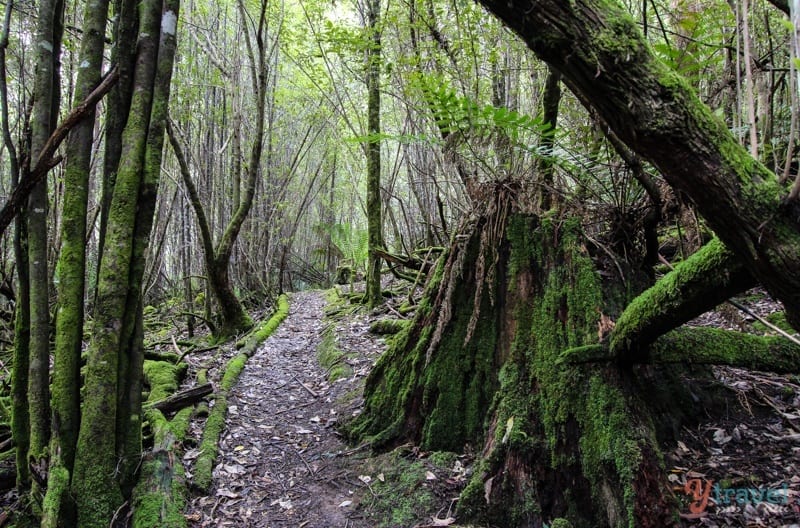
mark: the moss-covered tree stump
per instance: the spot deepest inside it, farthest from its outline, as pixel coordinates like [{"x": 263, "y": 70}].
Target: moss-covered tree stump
[{"x": 480, "y": 366}]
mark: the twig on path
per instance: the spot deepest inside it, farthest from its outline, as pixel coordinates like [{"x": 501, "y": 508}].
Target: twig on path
[
  {"x": 398, "y": 314},
  {"x": 310, "y": 391},
  {"x": 215, "y": 507},
  {"x": 303, "y": 460}
]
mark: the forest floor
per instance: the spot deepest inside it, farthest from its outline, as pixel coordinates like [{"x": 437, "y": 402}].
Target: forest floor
[{"x": 282, "y": 462}]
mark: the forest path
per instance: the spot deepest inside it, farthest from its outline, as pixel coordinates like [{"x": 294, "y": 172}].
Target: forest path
[{"x": 281, "y": 462}]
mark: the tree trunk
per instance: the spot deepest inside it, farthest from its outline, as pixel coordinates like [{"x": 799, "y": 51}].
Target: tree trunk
[
  {"x": 110, "y": 423},
  {"x": 20, "y": 418},
  {"x": 374, "y": 295},
  {"x": 71, "y": 273},
  {"x": 43, "y": 122},
  {"x": 480, "y": 365},
  {"x": 123, "y": 53},
  {"x": 607, "y": 63},
  {"x": 551, "y": 99},
  {"x": 72, "y": 256}
]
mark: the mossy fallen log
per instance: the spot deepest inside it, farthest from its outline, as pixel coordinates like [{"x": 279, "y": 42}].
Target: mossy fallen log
[
  {"x": 387, "y": 326},
  {"x": 251, "y": 341},
  {"x": 159, "y": 497},
  {"x": 704, "y": 346},
  {"x": 707, "y": 278},
  {"x": 182, "y": 399},
  {"x": 215, "y": 423}
]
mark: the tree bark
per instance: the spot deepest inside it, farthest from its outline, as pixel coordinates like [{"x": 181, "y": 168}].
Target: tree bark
[
  {"x": 481, "y": 365},
  {"x": 44, "y": 116},
  {"x": 373, "y": 295},
  {"x": 58, "y": 509},
  {"x": 123, "y": 53},
  {"x": 709, "y": 277},
  {"x": 182, "y": 399},
  {"x": 72, "y": 256},
  {"x": 20, "y": 418},
  {"x": 607, "y": 63},
  {"x": 550, "y": 102},
  {"x": 110, "y": 423}
]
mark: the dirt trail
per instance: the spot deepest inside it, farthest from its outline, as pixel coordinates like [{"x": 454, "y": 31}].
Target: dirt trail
[{"x": 281, "y": 461}]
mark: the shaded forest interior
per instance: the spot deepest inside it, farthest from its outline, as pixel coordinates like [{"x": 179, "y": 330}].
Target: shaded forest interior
[{"x": 539, "y": 195}]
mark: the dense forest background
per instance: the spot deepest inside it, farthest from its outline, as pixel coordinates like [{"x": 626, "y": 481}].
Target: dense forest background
[{"x": 210, "y": 156}]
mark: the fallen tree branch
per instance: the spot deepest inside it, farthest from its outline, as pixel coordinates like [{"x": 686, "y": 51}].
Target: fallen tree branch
[
  {"x": 182, "y": 399},
  {"x": 707, "y": 278},
  {"x": 46, "y": 158}
]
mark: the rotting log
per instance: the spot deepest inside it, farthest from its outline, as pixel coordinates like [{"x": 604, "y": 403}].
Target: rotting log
[
  {"x": 159, "y": 497},
  {"x": 182, "y": 399}
]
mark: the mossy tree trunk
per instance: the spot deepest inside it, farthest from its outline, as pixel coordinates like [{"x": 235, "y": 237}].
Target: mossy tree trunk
[
  {"x": 607, "y": 63},
  {"x": 480, "y": 366},
  {"x": 118, "y": 103},
  {"x": 109, "y": 441},
  {"x": 71, "y": 273},
  {"x": 374, "y": 295},
  {"x": 49, "y": 31}
]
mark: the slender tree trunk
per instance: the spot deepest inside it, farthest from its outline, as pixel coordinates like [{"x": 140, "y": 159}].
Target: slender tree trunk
[
  {"x": 374, "y": 295},
  {"x": 218, "y": 258},
  {"x": 123, "y": 54},
  {"x": 71, "y": 273},
  {"x": 72, "y": 257},
  {"x": 45, "y": 114},
  {"x": 550, "y": 103},
  {"x": 129, "y": 443},
  {"x": 20, "y": 417}
]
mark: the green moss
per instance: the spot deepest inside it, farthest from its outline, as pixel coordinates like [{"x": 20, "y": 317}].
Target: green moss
[
  {"x": 404, "y": 496},
  {"x": 163, "y": 378},
  {"x": 776, "y": 318},
  {"x": 536, "y": 382},
  {"x": 387, "y": 326},
  {"x": 330, "y": 357},
  {"x": 443, "y": 459},
  {"x": 160, "y": 496},
  {"x": 57, "y": 491},
  {"x": 689, "y": 278},
  {"x": 259, "y": 335},
  {"x": 713, "y": 346},
  {"x": 212, "y": 431}
]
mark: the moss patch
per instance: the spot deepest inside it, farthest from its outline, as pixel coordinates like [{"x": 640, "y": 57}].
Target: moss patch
[
  {"x": 330, "y": 357},
  {"x": 401, "y": 490}
]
